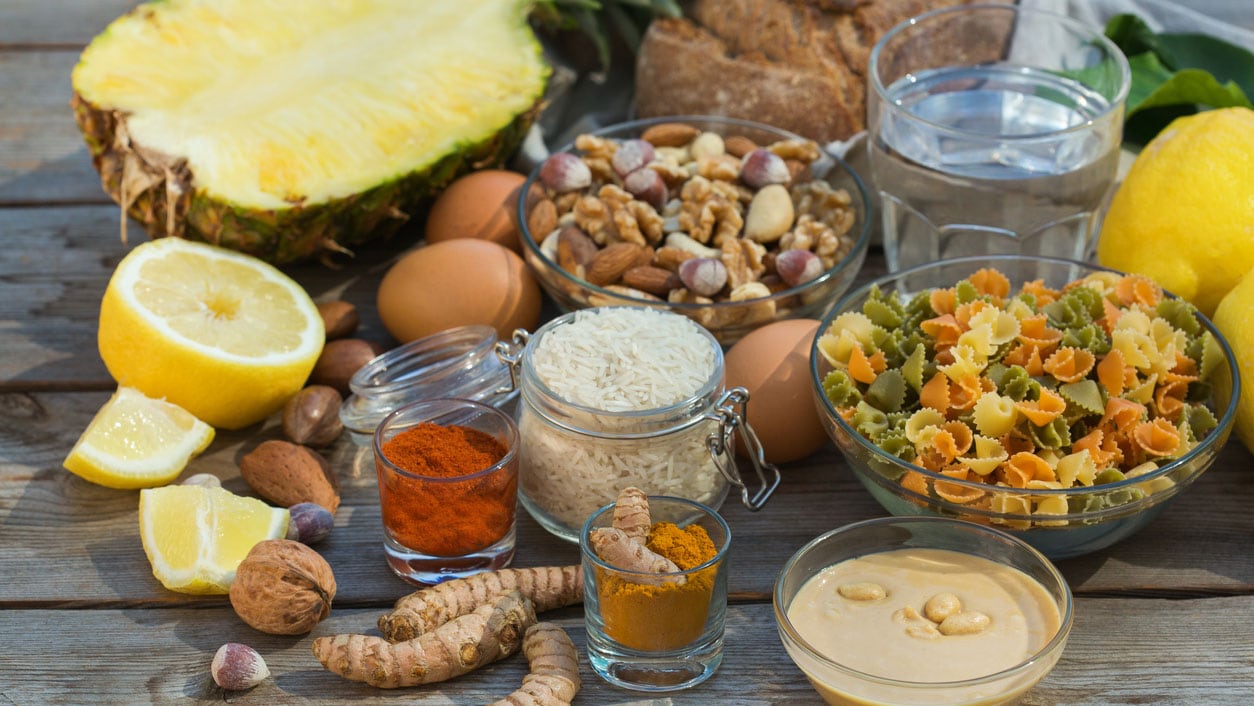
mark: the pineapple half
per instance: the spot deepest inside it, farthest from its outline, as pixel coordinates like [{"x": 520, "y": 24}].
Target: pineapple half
[{"x": 284, "y": 128}]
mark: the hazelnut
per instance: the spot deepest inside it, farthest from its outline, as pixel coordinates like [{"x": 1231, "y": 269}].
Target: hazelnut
[
  {"x": 339, "y": 360},
  {"x": 762, "y": 167},
  {"x": 312, "y": 416},
  {"x": 310, "y": 523},
  {"x": 647, "y": 185},
  {"x": 630, "y": 156},
  {"x": 564, "y": 171},
  {"x": 797, "y": 267},
  {"x": 282, "y": 588},
  {"x": 704, "y": 276},
  {"x": 339, "y": 318},
  {"x": 237, "y": 667}
]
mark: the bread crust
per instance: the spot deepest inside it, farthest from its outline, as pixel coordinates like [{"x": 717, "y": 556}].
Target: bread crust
[{"x": 796, "y": 64}]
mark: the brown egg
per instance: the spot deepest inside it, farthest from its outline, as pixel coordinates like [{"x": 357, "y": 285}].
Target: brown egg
[
  {"x": 773, "y": 364},
  {"x": 457, "y": 283},
  {"x": 480, "y": 205}
]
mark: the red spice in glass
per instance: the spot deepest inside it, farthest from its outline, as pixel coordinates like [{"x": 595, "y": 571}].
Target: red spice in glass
[{"x": 439, "y": 513}]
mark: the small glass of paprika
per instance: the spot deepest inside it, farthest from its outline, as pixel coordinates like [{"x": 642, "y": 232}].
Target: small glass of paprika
[
  {"x": 448, "y": 488},
  {"x": 652, "y": 628}
]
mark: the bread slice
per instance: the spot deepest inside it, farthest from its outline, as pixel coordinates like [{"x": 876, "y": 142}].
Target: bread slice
[{"x": 796, "y": 64}]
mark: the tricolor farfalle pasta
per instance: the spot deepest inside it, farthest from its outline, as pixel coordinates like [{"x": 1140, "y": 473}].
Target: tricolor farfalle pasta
[{"x": 1035, "y": 389}]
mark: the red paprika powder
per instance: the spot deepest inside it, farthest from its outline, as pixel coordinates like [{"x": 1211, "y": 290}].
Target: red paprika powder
[{"x": 433, "y": 508}]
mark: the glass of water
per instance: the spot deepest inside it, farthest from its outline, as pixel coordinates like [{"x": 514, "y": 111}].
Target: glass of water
[{"x": 993, "y": 129}]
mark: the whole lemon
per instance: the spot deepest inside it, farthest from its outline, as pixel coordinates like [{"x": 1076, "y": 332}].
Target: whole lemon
[
  {"x": 1234, "y": 317},
  {"x": 1185, "y": 213}
]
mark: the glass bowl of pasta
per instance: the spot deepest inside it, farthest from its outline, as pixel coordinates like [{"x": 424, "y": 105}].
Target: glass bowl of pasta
[
  {"x": 1057, "y": 400},
  {"x": 732, "y": 223}
]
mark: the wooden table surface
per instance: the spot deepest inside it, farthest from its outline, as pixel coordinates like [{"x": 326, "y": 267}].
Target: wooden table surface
[{"x": 1166, "y": 617}]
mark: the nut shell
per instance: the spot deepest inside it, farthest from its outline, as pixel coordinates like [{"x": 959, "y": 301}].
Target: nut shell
[
  {"x": 339, "y": 318},
  {"x": 286, "y": 474},
  {"x": 312, "y": 416},
  {"x": 237, "y": 667},
  {"x": 282, "y": 588}
]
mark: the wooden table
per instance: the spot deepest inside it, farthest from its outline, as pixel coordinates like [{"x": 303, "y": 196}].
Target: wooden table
[{"x": 1165, "y": 617}]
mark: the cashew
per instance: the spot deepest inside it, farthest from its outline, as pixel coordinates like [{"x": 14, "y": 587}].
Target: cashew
[
  {"x": 968, "y": 622},
  {"x": 865, "y": 591},
  {"x": 941, "y": 606}
]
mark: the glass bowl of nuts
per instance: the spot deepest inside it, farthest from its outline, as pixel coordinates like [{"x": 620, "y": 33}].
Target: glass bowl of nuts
[
  {"x": 732, "y": 223},
  {"x": 921, "y": 610}
]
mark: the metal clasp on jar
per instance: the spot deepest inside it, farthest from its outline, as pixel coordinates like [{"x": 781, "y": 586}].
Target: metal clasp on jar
[
  {"x": 731, "y": 413},
  {"x": 511, "y": 352}
]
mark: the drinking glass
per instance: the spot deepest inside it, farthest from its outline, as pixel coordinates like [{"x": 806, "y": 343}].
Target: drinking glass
[
  {"x": 993, "y": 129},
  {"x": 656, "y": 632},
  {"x": 421, "y": 540}
]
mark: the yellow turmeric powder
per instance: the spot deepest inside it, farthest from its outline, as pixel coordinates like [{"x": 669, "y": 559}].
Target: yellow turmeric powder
[{"x": 668, "y": 616}]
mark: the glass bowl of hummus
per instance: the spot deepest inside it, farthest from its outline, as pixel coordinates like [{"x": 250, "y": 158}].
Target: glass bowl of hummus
[
  {"x": 732, "y": 223},
  {"x": 1057, "y": 400},
  {"x": 921, "y": 610}
]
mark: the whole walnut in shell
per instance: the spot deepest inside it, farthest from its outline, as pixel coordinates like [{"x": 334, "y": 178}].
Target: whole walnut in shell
[{"x": 283, "y": 588}]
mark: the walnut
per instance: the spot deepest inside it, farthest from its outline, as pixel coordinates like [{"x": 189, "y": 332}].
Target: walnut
[
  {"x": 743, "y": 260},
  {"x": 283, "y": 588},
  {"x": 831, "y": 248},
  {"x": 705, "y": 316},
  {"x": 672, "y": 173},
  {"x": 829, "y": 205},
  {"x": 566, "y": 202},
  {"x": 634, "y": 221},
  {"x": 720, "y": 167},
  {"x": 804, "y": 234},
  {"x": 802, "y": 150},
  {"x": 593, "y": 217},
  {"x": 706, "y": 214}
]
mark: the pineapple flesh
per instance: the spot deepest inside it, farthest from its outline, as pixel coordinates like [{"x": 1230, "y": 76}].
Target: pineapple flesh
[{"x": 285, "y": 128}]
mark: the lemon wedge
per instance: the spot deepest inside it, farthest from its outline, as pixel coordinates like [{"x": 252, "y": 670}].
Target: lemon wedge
[
  {"x": 137, "y": 442},
  {"x": 195, "y": 537},
  {"x": 223, "y": 335}
]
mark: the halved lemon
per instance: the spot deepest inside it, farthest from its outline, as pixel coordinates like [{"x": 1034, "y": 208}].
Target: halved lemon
[
  {"x": 137, "y": 442},
  {"x": 195, "y": 537},
  {"x": 223, "y": 335}
]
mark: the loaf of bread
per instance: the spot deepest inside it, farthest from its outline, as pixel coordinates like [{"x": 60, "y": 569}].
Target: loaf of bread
[{"x": 796, "y": 64}]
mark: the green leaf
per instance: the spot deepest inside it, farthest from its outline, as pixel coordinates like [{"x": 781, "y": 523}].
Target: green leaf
[{"x": 1177, "y": 74}]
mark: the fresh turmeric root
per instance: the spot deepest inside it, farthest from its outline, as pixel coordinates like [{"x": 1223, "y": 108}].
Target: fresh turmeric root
[
  {"x": 492, "y": 631},
  {"x": 631, "y": 513},
  {"x": 622, "y": 552},
  {"x": 554, "y": 676},
  {"x": 547, "y": 587}
]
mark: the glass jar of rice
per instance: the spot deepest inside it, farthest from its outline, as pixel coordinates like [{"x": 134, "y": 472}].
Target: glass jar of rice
[{"x": 623, "y": 396}]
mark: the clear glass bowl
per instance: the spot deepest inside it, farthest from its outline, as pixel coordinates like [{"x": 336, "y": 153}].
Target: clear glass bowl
[
  {"x": 842, "y": 685},
  {"x": 729, "y": 321},
  {"x": 1100, "y": 515}
]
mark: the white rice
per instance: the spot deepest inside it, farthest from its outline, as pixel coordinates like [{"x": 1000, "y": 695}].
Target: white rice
[{"x": 620, "y": 361}]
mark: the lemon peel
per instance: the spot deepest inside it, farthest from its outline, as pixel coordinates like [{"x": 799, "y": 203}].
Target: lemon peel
[{"x": 1184, "y": 215}]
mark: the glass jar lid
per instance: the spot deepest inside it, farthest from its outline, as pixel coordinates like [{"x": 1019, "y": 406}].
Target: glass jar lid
[{"x": 459, "y": 362}]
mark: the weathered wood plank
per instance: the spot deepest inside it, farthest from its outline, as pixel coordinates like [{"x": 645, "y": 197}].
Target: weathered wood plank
[
  {"x": 163, "y": 655},
  {"x": 1198, "y": 546},
  {"x": 57, "y": 22},
  {"x": 57, "y": 261},
  {"x": 42, "y": 155}
]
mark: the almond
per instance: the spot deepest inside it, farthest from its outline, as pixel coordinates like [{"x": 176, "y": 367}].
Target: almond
[
  {"x": 339, "y": 318},
  {"x": 739, "y": 145},
  {"x": 670, "y": 134},
  {"x": 653, "y": 280},
  {"x": 286, "y": 474},
  {"x": 669, "y": 257},
  {"x": 542, "y": 220},
  {"x": 608, "y": 265}
]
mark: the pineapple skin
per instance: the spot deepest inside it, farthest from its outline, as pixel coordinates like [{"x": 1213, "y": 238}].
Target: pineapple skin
[{"x": 158, "y": 191}]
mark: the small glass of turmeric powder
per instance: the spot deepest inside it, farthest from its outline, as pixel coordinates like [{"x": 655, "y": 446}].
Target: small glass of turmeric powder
[
  {"x": 448, "y": 488},
  {"x": 656, "y": 626}
]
